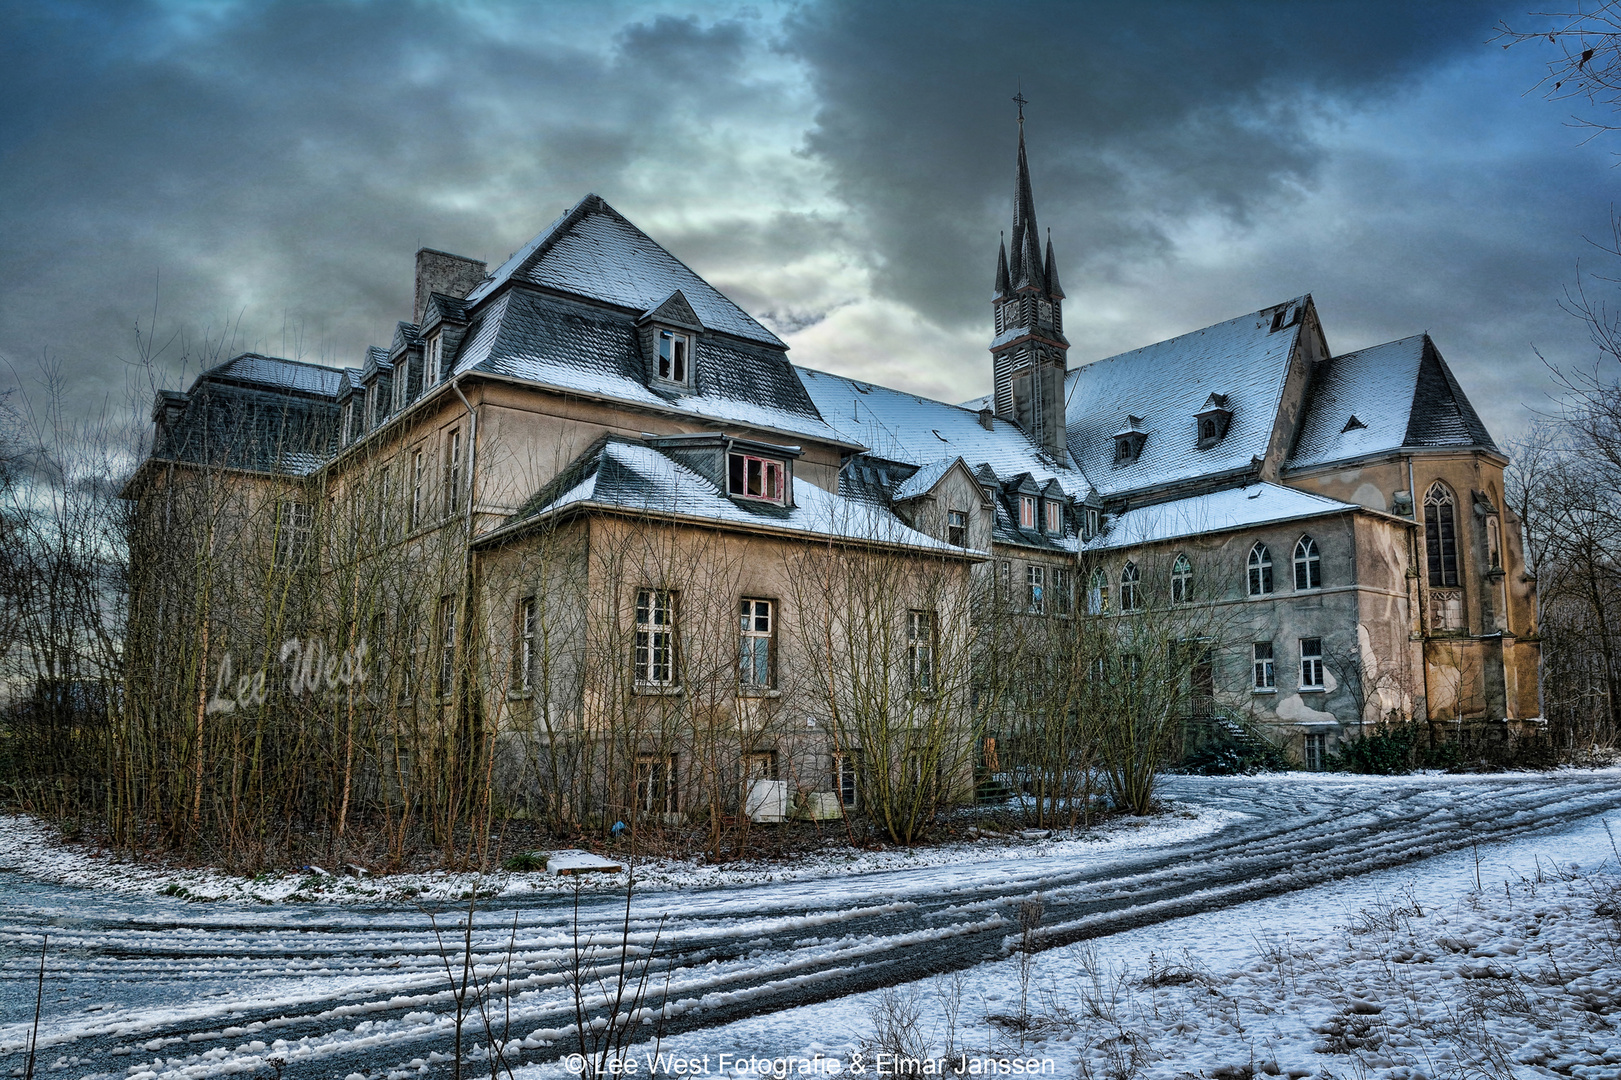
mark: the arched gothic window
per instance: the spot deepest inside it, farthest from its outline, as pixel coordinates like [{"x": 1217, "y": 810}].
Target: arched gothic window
[
  {"x": 1308, "y": 565},
  {"x": 1097, "y": 593},
  {"x": 1130, "y": 594},
  {"x": 1181, "y": 580},
  {"x": 1260, "y": 570},
  {"x": 1441, "y": 535}
]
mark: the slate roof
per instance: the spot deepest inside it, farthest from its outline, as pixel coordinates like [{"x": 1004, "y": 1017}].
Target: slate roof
[
  {"x": 1402, "y": 394},
  {"x": 903, "y": 427},
  {"x": 1218, "y": 511},
  {"x": 594, "y": 350},
  {"x": 276, "y": 373},
  {"x": 592, "y": 250},
  {"x": 627, "y": 474},
  {"x": 1168, "y": 382},
  {"x": 257, "y": 412}
]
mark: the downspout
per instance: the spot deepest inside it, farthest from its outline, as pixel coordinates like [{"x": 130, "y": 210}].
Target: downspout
[{"x": 465, "y": 629}]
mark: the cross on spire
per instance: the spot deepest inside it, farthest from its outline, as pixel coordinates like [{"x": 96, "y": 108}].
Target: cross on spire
[{"x": 1020, "y": 100}]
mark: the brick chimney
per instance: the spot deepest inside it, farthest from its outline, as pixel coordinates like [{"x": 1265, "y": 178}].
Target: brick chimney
[{"x": 442, "y": 272}]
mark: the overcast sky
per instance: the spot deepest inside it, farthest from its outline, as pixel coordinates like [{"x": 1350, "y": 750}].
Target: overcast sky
[{"x": 262, "y": 173}]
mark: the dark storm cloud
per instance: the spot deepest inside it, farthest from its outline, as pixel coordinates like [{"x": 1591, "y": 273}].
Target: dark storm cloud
[
  {"x": 1139, "y": 112},
  {"x": 288, "y": 158}
]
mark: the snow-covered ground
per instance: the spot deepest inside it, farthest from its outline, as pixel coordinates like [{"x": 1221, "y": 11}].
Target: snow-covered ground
[
  {"x": 1404, "y": 974},
  {"x": 1178, "y": 948}
]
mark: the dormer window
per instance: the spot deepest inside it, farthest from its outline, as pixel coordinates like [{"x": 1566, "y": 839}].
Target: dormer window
[
  {"x": 1054, "y": 516},
  {"x": 1212, "y": 420},
  {"x": 674, "y": 357},
  {"x": 432, "y": 354},
  {"x": 750, "y": 477},
  {"x": 1094, "y": 522},
  {"x": 1027, "y": 511}
]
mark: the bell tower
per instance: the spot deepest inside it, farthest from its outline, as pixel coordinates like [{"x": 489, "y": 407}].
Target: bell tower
[{"x": 1029, "y": 354}]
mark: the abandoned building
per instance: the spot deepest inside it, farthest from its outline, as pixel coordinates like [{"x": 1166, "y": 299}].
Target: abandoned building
[{"x": 595, "y": 472}]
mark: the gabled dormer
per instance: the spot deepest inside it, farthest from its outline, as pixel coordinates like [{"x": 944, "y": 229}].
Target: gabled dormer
[
  {"x": 1128, "y": 441},
  {"x": 1210, "y": 422},
  {"x": 1024, "y": 499},
  {"x": 1054, "y": 503},
  {"x": 404, "y": 362},
  {"x": 377, "y": 384},
  {"x": 669, "y": 333},
  {"x": 1091, "y": 515}
]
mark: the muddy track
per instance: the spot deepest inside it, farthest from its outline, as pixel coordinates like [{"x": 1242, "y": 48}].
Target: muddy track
[{"x": 366, "y": 991}]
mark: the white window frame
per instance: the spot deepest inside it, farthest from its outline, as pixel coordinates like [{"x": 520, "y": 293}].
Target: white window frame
[
  {"x": 447, "y": 646},
  {"x": 295, "y": 522},
  {"x": 655, "y": 656},
  {"x": 957, "y": 527},
  {"x": 1027, "y": 511},
  {"x": 1181, "y": 580},
  {"x": 1308, "y": 565},
  {"x": 1097, "y": 593},
  {"x": 1265, "y": 670},
  {"x": 921, "y": 641},
  {"x": 453, "y": 471},
  {"x": 1035, "y": 590},
  {"x": 419, "y": 487},
  {"x": 656, "y": 788},
  {"x": 525, "y": 625},
  {"x": 672, "y": 357},
  {"x": 1131, "y": 583},
  {"x": 1311, "y": 664},
  {"x": 756, "y": 652},
  {"x": 1094, "y": 521},
  {"x": 432, "y": 357},
  {"x": 768, "y": 475},
  {"x": 1259, "y": 573}
]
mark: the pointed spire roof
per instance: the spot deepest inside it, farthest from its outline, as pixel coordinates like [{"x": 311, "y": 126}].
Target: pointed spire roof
[
  {"x": 1054, "y": 289},
  {"x": 1003, "y": 284},
  {"x": 1026, "y": 266}
]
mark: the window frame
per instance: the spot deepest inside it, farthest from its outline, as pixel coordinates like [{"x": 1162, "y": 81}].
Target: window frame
[
  {"x": 756, "y": 673},
  {"x": 655, "y": 645},
  {"x": 957, "y": 527},
  {"x": 1441, "y": 537},
  {"x": 1308, "y": 564},
  {"x": 526, "y": 623},
  {"x": 674, "y": 367},
  {"x": 1061, "y": 591},
  {"x": 1097, "y": 592},
  {"x": 846, "y": 778},
  {"x": 447, "y": 646},
  {"x": 922, "y": 640},
  {"x": 1311, "y": 665},
  {"x": 1131, "y": 595},
  {"x": 1314, "y": 751},
  {"x": 1258, "y": 574},
  {"x": 419, "y": 488},
  {"x": 432, "y": 358},
  {"x": 453, "y": 470},
  {"x": 1027, "y": 511},
  {"x": 737, "y": 477},
  {"x": 1035, "y": 589},
  {"x": 1052, "y": 517},
  {"x": 295, "y": 526},
  {"x": 656, "y": 786},
  {"x": 1264, "y": 668},
  {"x": 1181, "y": 580}
]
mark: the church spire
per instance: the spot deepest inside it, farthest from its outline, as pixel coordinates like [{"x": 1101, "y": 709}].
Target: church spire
[{"x": 1028, "y": 354}]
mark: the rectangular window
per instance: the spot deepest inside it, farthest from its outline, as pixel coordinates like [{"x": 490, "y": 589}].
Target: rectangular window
[
  {"x": 1311, "y": 663},
  {"x": 1266, "y": 676},
  {"x": 920, "y": 649},
  {"x": 345, "y": 429},
  {"x": 430, "y": 360},
  {"x": 1055, "y": 523},
  {"x": 523, "y": 645},
  {"x": 1316, "y": 751},
  {"x": 957, "y": 527},
  {"x": 655, "y": 637},
  {"x": 674, "y": 352},
  {"x": 1094, "y": 522},
  {"x": 1004, "y": 583},
  {"x": 453, "y": 473},
  {"x": 293, "y": 522},
  {"x": 419, "y": 488},
  {"x": 750, "y": 477},
  {"x": 846, "y": 777},
  {"x": 655, "y": 784},
  {"x": 1062, "y": 592},
  {"x": 380, "y": 495},
  {"x": 1035, "y": 589},
  {"x": 447, "y": 645},
  {"x": 1027, "y": 512},
  {"x": 755, "y": 628}
]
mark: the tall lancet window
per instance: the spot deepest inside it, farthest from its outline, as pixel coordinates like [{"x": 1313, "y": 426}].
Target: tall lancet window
[{"x": 1441, "y": 535}]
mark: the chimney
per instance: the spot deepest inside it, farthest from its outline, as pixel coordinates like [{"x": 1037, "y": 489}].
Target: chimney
[
  {"x": 442, "y": 272},
  {"x": 985, "y": 419}
]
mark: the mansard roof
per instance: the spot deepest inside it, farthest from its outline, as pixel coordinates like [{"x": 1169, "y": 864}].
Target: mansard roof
[
  {"x": 276, "y": 373},
  {"x": 589, "y": 349},
  {"x": 629, "y": 475},
  {"x": 1233, "y": 508},
  {"x": 1166, "y": 384},
  {"x": 919, "y": 431},
  {"x": 254, "y": 412},
  {"x": 1402, "y": 395},
  {"x": 593, "y": 251}
]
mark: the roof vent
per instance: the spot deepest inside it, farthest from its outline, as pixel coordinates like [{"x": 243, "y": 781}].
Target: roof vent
[
  {"x": 1352, "y": 424},
  {"x": 1211, "y": 421},
  {"x": 986, "y": 419},
  {"x": 1128, "y": 441}
]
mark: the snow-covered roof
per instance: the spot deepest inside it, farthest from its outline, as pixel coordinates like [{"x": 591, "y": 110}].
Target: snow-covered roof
[
  {"x": 1383, "y": 398},
  {"x": 576, "y": 346},
  {"x": 903, "y": 427},
  {"x": 1232, "y": 508},
  {"x": 626, "y": 474},
  {"x": 278, "y": 374},
  {"x": 592, "y": 250},
  {"x": 1166, "y": 384}
]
